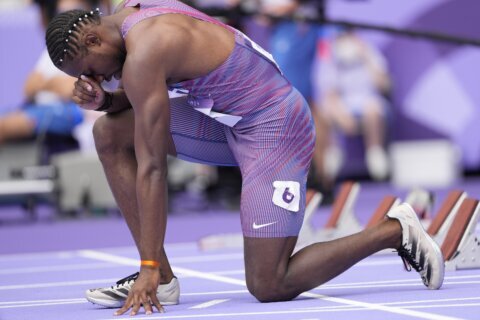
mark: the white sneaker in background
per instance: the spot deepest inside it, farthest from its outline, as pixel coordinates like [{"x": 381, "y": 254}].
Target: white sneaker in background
[
  {"x": 377, "y": 162},
  {"x": 332, "y": 161}
]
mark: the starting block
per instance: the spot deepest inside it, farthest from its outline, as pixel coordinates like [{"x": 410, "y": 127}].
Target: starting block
[
  {"x": 313, "y": 200},
  {"x": 461, "y": 247},
  {"x": 442, "y": 222},
  {"x": 342, "y": 220},
  {"x": 421, "y": 201},
  {"x": 387, "y": 204}
]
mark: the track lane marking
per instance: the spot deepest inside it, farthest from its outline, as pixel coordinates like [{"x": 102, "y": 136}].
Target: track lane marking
[
  {"x": 209, "y": 304},
  {"x": 128, "y": 261}
]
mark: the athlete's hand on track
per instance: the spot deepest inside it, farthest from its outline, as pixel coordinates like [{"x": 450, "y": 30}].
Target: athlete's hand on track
[
  {"x": 143, "y": 292},
  {"x": 88, "y": 93}
]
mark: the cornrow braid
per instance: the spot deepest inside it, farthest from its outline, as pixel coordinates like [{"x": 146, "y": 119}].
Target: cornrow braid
[{"x": 63, "y": 33}]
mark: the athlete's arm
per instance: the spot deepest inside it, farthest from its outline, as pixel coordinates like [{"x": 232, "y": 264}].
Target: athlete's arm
[{"x": 145, "y": 74}]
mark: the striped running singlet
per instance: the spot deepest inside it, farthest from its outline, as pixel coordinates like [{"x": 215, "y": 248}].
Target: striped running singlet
[{"x": 245, "y": 113}]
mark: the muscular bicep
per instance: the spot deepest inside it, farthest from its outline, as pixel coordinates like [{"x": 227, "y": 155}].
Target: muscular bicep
[
  {"x": 146, "y": 89},
  {"x": 148, "y": 66}
]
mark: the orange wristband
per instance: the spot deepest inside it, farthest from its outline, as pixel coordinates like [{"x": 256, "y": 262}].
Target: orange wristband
[{"x": 150, "y": 263}]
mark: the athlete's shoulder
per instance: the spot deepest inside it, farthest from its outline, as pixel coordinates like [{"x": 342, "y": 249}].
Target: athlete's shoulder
[{"x": 156, "y": 41}]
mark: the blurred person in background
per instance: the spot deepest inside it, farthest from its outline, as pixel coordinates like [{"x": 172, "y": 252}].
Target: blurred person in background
[
  {"x": 353, "y": 82},
  {"x": 48, "y": 91}
]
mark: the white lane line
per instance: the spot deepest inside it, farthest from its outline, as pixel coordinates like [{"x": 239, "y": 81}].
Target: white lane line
[
  {"x": 41, "y": 304},
  {"x": 244, "y": 315},
  {"x": 209, "y": 304},
  {"x": 432, "y": 301},
  {"x": 207, "y": 258},
  {"x": 40, "y": 301},
  {"x": 348, "y": 284},
  {"x": 378, "y": 307},
  {"x": 131, "y": 261},
  {"x": 185, "y": 259},
  {"x": 192, "y": 274},
  {"x": 230, "y": 272},
  {"x": 102, "y": 256},
  {"x": 56, "y": 284},
  {"x": 65, "y": 267},
  {"x": 402, "y": 303},
  {"x": 72, "y": 254},
  {"x": 453, "y": 305},
  {"x": 213, "y": 293},
  {"x": 423, "y": 315},
  {"x": 37, "y": 256},
  {"x": 392, "y": 285}
]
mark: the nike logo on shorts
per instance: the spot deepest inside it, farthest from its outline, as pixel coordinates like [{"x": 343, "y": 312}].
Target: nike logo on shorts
[{"x": 258, "y": 226}]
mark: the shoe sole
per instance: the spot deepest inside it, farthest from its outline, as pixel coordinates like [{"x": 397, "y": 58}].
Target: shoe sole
[{"x": 434, "y": 245}]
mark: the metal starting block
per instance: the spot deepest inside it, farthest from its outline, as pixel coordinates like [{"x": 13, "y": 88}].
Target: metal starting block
[
  {"x": 442, "y": 222},
  {"x": 387, "y": 204},
  {"x": 421, "y": 201},
  {"x": 342, "y": 220},
  {"x": 461, "y": 247},
  {"x": 307, "y": 232}
]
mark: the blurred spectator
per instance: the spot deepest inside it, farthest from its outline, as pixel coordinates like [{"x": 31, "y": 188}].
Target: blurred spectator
[
  {"x": 48, "y": 108},
  {"x": 353, "y": 82}
]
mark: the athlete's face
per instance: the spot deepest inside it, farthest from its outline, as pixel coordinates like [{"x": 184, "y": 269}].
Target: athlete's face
[{"x": 103, "y": 61}]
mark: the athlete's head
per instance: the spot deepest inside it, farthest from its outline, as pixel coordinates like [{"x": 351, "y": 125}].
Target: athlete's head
[{"x": 80, "y": 42}]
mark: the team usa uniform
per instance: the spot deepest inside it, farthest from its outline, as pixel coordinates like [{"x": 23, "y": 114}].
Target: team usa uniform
[{"x": 244, "y": 113}]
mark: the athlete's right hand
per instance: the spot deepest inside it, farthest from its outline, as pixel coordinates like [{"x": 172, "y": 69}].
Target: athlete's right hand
[{"x": 88, "y": 93}]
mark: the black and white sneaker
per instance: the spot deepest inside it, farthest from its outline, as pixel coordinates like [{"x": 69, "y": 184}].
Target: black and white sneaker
[
  {"x": 115, "y": 296},
  {"x": 418, "y": 250}
]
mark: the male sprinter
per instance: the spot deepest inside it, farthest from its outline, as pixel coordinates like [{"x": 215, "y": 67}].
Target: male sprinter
[{"x": 238, "y": 110}]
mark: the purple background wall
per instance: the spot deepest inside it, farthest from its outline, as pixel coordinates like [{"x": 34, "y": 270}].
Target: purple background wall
[
  {"x": 435, "y": 84},
  {"x": 21, "y": 42}
]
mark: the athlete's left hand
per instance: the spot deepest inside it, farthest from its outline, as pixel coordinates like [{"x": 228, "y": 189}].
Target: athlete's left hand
[{"x": 143, "y": 292}]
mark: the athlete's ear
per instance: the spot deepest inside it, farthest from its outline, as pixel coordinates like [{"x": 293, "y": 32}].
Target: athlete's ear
[{"x": 92, "y": 39}]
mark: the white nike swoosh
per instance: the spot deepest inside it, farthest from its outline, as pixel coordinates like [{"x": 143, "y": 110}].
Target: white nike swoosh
[{"x": 258, "y": 226}]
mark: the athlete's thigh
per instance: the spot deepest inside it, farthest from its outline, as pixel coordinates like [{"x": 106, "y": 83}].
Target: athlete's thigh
[
  {"x": 274, "y": 159},
  {"x": 198, "y": 138}
]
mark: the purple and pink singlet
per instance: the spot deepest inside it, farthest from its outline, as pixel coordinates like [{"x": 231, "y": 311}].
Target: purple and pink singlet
[{"x": 244, "y": 113}]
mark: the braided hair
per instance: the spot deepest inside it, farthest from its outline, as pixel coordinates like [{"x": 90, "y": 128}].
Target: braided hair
[{"x": 64, "y": 31}]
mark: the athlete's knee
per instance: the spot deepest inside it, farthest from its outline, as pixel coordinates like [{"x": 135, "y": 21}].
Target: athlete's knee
[
  {"x": 109, "y": 135},
  {"x": 269, "y": 289}
]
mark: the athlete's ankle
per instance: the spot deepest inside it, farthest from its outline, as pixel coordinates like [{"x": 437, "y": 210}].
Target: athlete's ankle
[{"x": 395, "y": 233}]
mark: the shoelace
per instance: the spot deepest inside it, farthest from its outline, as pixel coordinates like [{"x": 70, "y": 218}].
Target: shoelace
[
  {"x": 131, "y": 277},
  {"x": 408, "y": 259}
]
